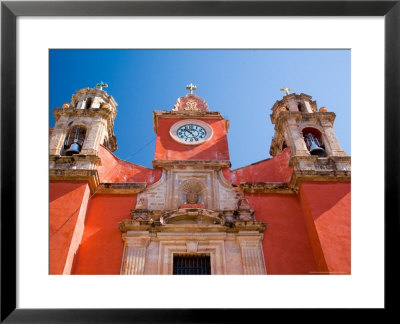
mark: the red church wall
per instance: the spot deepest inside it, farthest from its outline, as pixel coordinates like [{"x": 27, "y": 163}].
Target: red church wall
[
  {"x": 286, "y": 245},
  {"x": 327, "y": 208},
  {"x": 101, "y": 247},
  {"x": 169, "y": 149},
  {"x": 113, "y": 169},
  {"x": 275, "y": 169},
  {"x": 66, "y": 199}
]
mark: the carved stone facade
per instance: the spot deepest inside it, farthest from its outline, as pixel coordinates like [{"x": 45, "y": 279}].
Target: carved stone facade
[{"x": 218, "y": 222}]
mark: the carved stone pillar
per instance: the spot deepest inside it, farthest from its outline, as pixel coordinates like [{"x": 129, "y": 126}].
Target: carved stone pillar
[
  {"x": 332, "y": 139},
  {"x": 252, "y": 253},
  {"x": 295, "y": 139},
  {"x": 57, "y": 138},
  {"x": 94, "y": 137},
  {"x": 133, "y": 259}
]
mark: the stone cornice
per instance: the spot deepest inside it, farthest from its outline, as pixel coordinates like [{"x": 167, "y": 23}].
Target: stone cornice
[
  {"x": 91, "y": 112},
  {"x": 298, "y": 116},
  {"x": 153, "y": 227},
  {"x": 91, "y": 176},
  {"x": 121, "y": 188},
  {"x": 266, "y": 187},
  {"x": 186, "y": 114},
  {"x": 300, "y": 176},
  {"x": 61, "y": 159},
  {"x": 181, "y": 164}
]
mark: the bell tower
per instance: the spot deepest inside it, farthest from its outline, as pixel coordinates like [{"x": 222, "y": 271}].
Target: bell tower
[
  {"x": 81, "y": 126},
  {"x": 316, "y": 153}
]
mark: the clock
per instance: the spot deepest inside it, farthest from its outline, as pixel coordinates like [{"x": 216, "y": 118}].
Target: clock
[{"x": 191, "y": 132}]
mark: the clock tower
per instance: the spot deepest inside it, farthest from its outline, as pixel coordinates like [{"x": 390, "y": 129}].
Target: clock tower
[
  {"x": 192, "y": 215},
  {"x": 190, "y": 131}
]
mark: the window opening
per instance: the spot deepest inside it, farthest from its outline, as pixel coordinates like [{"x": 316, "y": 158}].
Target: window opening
[{"x": 191, "y": 264}]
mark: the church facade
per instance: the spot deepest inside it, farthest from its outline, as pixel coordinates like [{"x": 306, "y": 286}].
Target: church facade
[{"x": 190, "y": 213}]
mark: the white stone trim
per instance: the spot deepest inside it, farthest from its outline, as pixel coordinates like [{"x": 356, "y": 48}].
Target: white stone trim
[
  {"x": 252, "y": 252},
  {"x": 187, "y": 242},
  {"x": 174, "y": 128},
  {"x": 134, "y": 255}
]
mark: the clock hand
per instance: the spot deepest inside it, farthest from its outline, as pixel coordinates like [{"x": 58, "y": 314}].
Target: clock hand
[{"x": 191, "y": 133}]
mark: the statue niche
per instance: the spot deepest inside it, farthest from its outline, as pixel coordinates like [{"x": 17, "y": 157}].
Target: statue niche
[{"x": 192, "y": 192}]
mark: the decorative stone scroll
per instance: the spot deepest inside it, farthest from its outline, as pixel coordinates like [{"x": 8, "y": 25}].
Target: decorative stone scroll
[{"x": 190, "y": 102}]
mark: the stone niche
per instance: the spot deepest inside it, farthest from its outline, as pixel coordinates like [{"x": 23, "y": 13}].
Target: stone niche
[{"x": 190, "y": 185}]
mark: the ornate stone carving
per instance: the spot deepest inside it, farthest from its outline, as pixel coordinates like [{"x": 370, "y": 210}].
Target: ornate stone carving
[
  {"x": 193, "y": 190},
  {"x": 190, "y": 102},
  {"x": 191, "y": 105}
]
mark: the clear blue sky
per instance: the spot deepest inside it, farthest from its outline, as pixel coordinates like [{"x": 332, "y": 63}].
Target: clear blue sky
[{"x": 241, "y": 84}]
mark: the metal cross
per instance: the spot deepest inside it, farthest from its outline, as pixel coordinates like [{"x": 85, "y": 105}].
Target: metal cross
[
  {"x": 101, "y": 85},
  {"x": 286, "y": 89},
  {"x": 191, "y": 87}
]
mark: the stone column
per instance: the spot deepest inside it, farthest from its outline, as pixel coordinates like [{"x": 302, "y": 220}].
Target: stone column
[
  {"x": 333, "y": 141},
  {"x": 133, "y": 259},
  {"x": 252, "y": 253},
  {"x": 57, "y": 138},
  {"x": 92, "y": 140},
  {"x": 296, "y": 139}
]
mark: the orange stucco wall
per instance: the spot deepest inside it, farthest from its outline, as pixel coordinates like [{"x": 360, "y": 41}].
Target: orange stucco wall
[
  {"x": 275, "y": 169},
  {"x": 286, "y": 245},
  {"x": 327, "y": 208},
  {"x": 66, "y": 201},
  {"x": 113, "y": 169},
  {"x": 169, "y": 149},
  {"x": 102, "y": 246},
  {"x": 307, "y": 233}
]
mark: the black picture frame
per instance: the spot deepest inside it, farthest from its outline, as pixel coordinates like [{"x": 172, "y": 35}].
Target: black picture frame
[{"x": 10, "y": 10}]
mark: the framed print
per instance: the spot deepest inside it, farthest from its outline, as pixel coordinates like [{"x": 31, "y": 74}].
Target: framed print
[{"x": 231, "y": 214}]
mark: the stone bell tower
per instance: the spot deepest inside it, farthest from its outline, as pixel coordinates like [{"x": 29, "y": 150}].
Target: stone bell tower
[
  {"x": 308, "y": 132},
  {"x": 81, "y": 126}
]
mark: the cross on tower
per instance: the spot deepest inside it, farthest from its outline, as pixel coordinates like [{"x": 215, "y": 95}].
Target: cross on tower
[
  {"x": 191, "y": 88},
  {"x": 286, "y": 89},
  {"x": 101, "y": 85}
]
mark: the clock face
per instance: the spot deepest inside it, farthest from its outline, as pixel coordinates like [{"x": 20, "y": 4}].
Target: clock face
[{"x": 191, "y": 133}]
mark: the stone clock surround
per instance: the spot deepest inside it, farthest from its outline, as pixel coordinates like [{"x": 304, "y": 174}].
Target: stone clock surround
[{"x": 179, "y": 124}]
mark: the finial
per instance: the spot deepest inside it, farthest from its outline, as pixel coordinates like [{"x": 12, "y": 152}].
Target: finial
[
  {"x": 101, "y": 85},
  {"x": 191, "y": 88},
  {"x": 286, "y": 89}
]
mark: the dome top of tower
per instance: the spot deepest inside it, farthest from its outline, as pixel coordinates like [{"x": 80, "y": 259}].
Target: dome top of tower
[{"x": 190, "y": 102}]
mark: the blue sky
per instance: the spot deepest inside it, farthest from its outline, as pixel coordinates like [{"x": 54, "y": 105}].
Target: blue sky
[{"x": 241, "y": 84}]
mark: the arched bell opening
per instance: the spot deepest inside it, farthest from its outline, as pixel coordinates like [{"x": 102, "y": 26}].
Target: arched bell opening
[
  {"x": 74, "y": 140},
  {"x": 301, "y": 107},
  {"x": 89, "y": 102},
  {"x": 312, "y": 138}
]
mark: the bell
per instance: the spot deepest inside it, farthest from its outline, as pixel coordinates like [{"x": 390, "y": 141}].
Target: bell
[
  {"x": 73, "y": 149},
  {"x": 314, "y": 146},
  {"x": 316, "y": 150}
]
